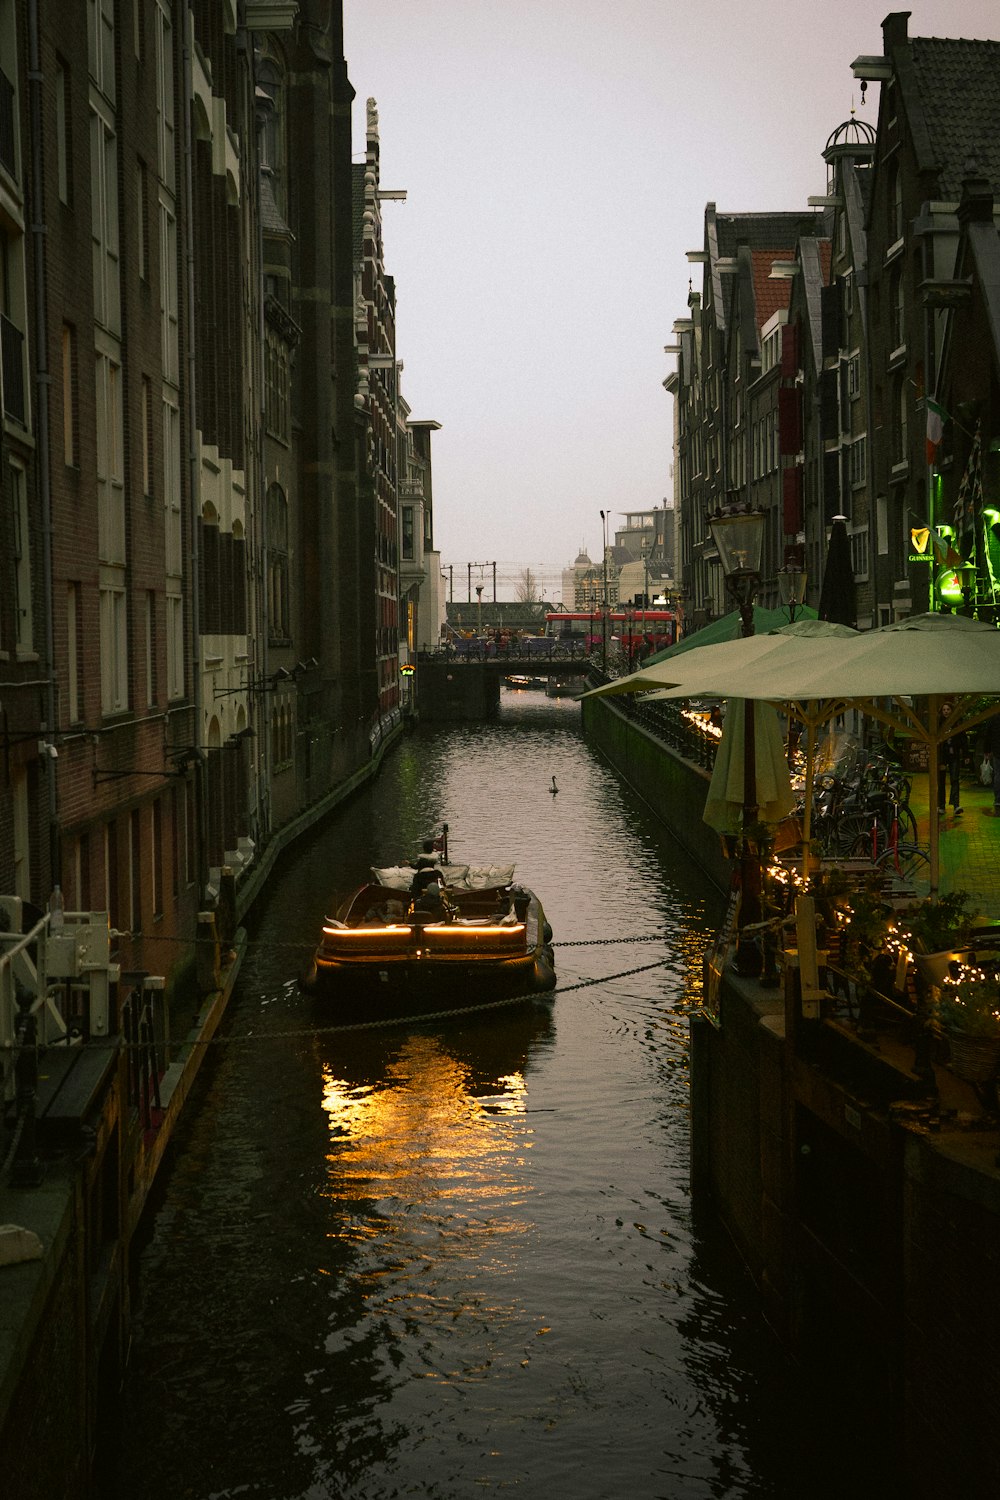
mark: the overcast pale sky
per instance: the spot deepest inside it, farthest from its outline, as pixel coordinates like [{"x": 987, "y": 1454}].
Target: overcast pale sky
[{"x": 558, "y": 156}]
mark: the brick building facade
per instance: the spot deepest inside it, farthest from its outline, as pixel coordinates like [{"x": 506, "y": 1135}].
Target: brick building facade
[{"x": 198, "y": 599}]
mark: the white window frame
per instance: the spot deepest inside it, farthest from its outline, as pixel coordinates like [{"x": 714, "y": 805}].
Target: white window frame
[
  {"x": 110, "y": 460},
  {"x": 104, "y": 220},
  {"x": 175, "y": 644},
  {"x": 72, "y": 657},
  {"x": 114, "y": 642},
  {"x": 174, "y": 558},
  {"x": 24, "y": 628},
  {"x": 165, "y": 140},
  {"x": 101, "y": 45},
  {"x": 169, "y": 320}
]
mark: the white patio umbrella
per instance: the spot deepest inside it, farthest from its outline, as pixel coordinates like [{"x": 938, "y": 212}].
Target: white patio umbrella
[
  {"x": 926, "y": 657},
  {"x": 772, "y": 794}
]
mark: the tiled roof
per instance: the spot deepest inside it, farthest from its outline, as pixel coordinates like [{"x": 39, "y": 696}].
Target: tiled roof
[
  {"x": 769, "y": 295},
  {"x": 762, "y": 231},
  {"x": 958, "y": 83}
]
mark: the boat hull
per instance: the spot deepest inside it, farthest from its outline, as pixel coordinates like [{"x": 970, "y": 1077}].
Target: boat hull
[{"x": 375, "y": 971}]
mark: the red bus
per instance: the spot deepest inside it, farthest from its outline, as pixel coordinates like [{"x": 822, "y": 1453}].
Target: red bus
[{"x": 631, "y": 629}]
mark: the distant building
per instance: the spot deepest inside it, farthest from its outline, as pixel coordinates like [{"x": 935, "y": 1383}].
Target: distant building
[
  {"x": 818, "y": 370},
  {"x": 578, "y": 582},
  {"x": 421, "y": 583}
]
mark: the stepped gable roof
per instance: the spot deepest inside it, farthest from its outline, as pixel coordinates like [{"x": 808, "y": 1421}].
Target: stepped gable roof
[{"x": 958, "y": 87}]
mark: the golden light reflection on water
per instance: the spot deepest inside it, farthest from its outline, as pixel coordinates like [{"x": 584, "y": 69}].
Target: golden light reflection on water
[
  {"x": 427, "y": 1186},
  {"x": 434, "y": 1142}
]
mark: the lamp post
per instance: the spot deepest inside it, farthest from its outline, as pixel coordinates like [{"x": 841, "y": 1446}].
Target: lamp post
[
  {"x": 792, "y": 588},
  {"x": 604, "y": 606},
  {"x": 739, "y": 536}
]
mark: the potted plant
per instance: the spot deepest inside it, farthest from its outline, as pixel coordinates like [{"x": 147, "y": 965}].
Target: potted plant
[
  {"x": 938, "y": 927},
  {"x": 867, "y": 929},
  {"x": 967, "y": 1008}
]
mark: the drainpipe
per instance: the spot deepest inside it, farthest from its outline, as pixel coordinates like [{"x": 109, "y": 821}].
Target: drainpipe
[
  {"x": 259, "y": 705},
  {"x": 38, "y": 231},
  {"x": 193, "y": 471}
]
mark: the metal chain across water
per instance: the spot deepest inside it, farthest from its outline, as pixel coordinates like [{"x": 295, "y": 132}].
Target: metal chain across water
[{"x": 388, "y": 1021}]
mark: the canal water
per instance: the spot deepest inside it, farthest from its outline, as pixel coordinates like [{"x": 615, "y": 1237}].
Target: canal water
[{"x": 462, "y": 1257}]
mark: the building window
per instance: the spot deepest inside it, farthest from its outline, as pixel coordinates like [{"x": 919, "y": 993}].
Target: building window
[
  {"x": 273, "y": 136},
  {"x": 854, "y": 376},
  {"x": 276, "y": 387},
  {"x": 146, "y": 423},
  {"x": 172, "y": 487},
  {"x": 156, "y": 859},
  {"x": 101, "y": 45},
  {"x": 895, "y": 206},
  {"x": 114, "y": 649},
  {"x": 73, "y": 654},
  {"x": 898, "y": 310},
  {"x": 277, "y": 574},
  {"x": 23, "y": 603},
  {"x": 110, "y": 464},
  {"x": 141, "y": 221},
  {"x": 104, "y": 222},
  {"x": 64, "y": 156},
  {"x": 134, "y": 871},
  {"x": 70, "y": 449},
  {"x": 165, "y": 96},
  {"x": 13, "y": 321},
  {"x": 168, "y": 291},
  {"x": 859, "y": 553},
  {"x": 407, "y": 542},
  {"x": 859, "y": 462},
  {"x": 901, "y": 452},
  {"x": 150, "y": 648},
  {"x": 175, "y": 646}
]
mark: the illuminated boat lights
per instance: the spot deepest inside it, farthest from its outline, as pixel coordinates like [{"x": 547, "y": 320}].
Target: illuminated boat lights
[
  {"x": 515, "y": 929},
  {"x": 392, "y": 928}
]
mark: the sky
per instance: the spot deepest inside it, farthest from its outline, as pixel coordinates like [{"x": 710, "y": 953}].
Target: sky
[{"x": 557, "y": 157}]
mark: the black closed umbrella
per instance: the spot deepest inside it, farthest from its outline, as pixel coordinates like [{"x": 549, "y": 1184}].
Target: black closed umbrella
[{"x": 838, "y": 601}]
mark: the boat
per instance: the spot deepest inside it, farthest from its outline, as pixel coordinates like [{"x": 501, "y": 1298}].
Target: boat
[
  {"x": 565, "y": 685},
  {"x": 382, "y": 956},
  {"x": 519, "y": 682}
]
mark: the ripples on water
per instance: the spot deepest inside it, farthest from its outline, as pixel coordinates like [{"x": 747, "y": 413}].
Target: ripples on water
[{"x": 440, "y": 1260}]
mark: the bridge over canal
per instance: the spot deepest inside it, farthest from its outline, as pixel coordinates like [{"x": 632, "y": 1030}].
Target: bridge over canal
[{"x": 465, "y": 683}]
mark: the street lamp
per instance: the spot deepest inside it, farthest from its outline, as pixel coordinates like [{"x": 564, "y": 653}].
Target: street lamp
[
  {"x": 739, "y": 536},
  {"x": 792, "y": 588},
  {"x": 604, "y": 608}
]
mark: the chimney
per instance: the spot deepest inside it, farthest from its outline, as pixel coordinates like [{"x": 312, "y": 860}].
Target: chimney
[{"x": 895, "y": 31}]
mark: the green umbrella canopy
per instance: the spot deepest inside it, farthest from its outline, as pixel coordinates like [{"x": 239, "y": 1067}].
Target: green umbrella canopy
[{"x": 730, "y": 628}]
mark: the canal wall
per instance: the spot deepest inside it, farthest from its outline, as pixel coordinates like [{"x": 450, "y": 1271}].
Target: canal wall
[
  {"x": 863, "y": 1196},
  {"x": 65, "y": 1283},
  {"x": 674, "y": 785}
]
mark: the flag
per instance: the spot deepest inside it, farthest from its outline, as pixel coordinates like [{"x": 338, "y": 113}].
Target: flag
[{"x": 936, "y": 418}]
